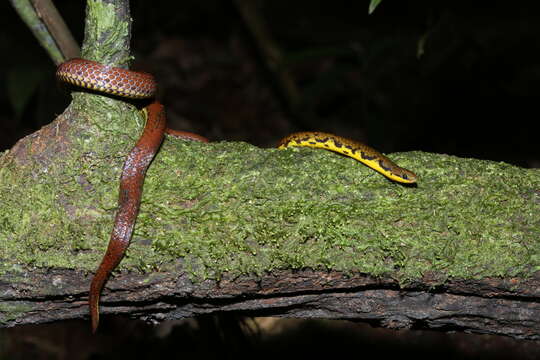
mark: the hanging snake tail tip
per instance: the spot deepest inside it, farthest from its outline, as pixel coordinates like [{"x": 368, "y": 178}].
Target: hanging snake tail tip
[
  {"x": 94, "y": 313},
  {"x": 95, "y": 323},
  {"x": 93, "y": 301}
]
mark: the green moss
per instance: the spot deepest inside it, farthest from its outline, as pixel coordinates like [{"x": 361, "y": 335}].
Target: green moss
[
  {"x": 232, "y": 207},
  {"x": 58, "y": 204},
  {"x": 107, "y": 34},
  {"x": 235, "y": 208}
]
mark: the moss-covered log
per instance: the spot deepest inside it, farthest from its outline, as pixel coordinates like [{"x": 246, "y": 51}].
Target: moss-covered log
[
  {"x": 231, "y": 209},
  {"x": 231, "y": 227},
  {"x": 235, "y": 208}
]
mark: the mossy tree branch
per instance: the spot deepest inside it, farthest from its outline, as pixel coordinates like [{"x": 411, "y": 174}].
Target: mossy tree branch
[{"x": 230, "y": 227}]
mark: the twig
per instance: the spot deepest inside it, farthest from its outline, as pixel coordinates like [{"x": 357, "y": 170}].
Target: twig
[
  {"x": 28, "y": 14},
  {"x": 58, "y": 29}
]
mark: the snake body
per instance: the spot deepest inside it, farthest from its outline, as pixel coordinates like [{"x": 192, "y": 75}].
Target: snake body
[
  {"x": 352, "y": 148},
  {"x": 134, "y": 85},
  {"x": 138, "y": 85}
]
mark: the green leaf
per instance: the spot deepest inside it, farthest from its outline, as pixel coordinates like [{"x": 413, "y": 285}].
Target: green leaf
[{"x": 373, "y": 5}]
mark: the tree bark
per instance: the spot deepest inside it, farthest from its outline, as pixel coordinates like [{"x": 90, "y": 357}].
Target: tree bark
[{"x": 488, "y": 306}]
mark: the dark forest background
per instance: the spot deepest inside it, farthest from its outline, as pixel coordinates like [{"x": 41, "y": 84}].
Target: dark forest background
[
  {"x": 436, "y": 76},
  {"x": 442, "y": 77}
]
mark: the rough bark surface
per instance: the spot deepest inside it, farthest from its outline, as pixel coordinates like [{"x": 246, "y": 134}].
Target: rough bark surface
[{"x": 488, "y": 306}]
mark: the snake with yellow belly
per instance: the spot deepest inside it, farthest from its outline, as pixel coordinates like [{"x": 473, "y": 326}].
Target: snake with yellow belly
[{"x": 138, "y": 85}]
